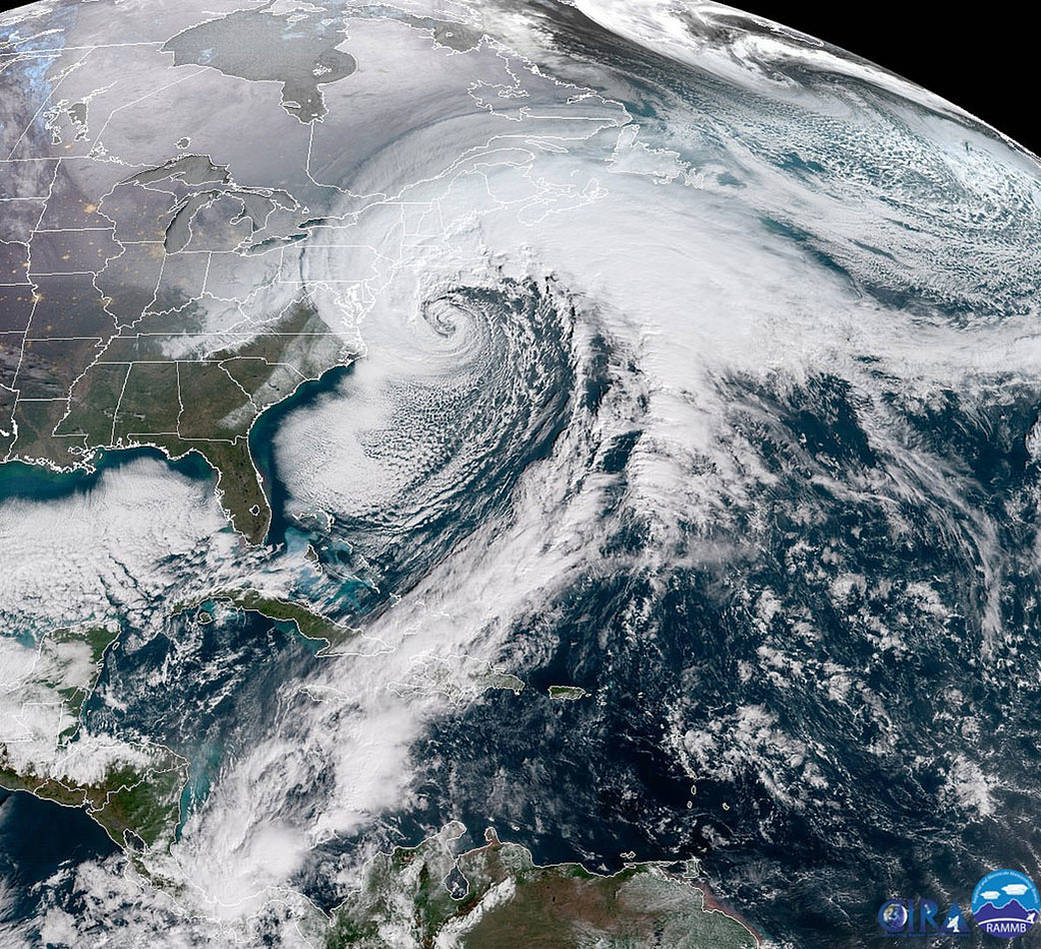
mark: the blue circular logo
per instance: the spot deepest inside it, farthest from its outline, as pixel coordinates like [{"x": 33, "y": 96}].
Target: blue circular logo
[
  {"x": 1005, "y": 903},
  {"x": 893, "y": 916}
]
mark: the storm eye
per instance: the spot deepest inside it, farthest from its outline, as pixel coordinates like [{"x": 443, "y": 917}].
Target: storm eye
[{"x": 442, "y": 316}]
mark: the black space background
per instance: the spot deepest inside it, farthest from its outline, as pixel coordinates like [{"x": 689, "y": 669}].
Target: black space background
[{"x": 985, "y": 57}]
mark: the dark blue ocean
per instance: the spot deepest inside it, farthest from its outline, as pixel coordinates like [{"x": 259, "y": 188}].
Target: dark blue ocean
[
  {"x": 37, "y": 840},
  {"x": 806, "y": 855}
]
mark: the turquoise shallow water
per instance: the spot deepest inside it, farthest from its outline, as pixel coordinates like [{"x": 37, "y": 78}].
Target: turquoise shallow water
[
  {"x": 745, "y": 447},
  {"x": 40, "y": 483}
]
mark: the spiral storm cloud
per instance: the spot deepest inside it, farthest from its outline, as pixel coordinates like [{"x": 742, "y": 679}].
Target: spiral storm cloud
[{"x": 612, "y": 423}]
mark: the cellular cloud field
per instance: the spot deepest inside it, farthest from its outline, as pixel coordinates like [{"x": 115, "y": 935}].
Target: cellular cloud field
[{"x": 610, "y": 423}]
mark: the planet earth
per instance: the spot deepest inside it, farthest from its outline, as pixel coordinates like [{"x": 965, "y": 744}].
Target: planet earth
[{"x": 505, "y": 474}]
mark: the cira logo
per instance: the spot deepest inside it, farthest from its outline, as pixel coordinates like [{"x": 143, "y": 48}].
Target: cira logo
[
  {"x": 903, "y": 917},
  {"x": 1005, "y": 903}
]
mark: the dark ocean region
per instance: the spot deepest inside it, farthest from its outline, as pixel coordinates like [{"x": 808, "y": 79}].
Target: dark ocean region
[
  {"x": 222, "y": 691},
  {"x": 262, "y": 440},
  {"x": 830, "y": 773},
  {"x": 40, "y": 483},
  {"x": 38, "y": 839}
]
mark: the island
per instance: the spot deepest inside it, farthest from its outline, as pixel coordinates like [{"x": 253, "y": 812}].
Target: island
[
  {"x": 309, "y": 623},
  {"x": 566, "y": 693}
]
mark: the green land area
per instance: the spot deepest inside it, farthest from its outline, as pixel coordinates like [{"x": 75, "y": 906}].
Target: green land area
[
  {"x": 138, "y": 805},
  {"x": 133, "y": 395},
  {"x": 97, "y": 639},
  {"x": 566, "y": 693},
  {"x": 135, "y": 806},
  {"x": 309, "y": 623},
  {"x": 495, "y": 897}
]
